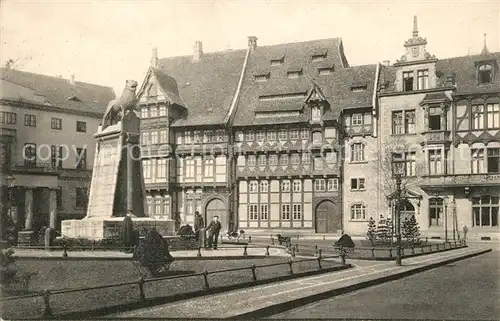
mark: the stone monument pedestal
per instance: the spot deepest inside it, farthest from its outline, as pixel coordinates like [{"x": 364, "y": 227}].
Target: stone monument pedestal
[{"x": 101, "y": 228}]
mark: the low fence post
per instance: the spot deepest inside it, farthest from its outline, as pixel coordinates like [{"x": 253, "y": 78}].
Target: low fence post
[
  {"x": 290, "y": 263},
  {"x": 298, "y": 236},
  {"x": 373, "y": 252},
  {"x": 412, "y": 249},
  {"x": 319, "y": 262},
  {"x": 199, "y": 251},
  {"x": 316, "y": 249},
  {"x": 342, "y": 255},
  {"x": 245, "y": 251},
  {"x": 272, "y": 240},
  {"x": 65, "y": 252},
  {"x": 402, "y": 251},
  {"x": 249, "y": 239},
  {"x": 205, "y": 277},
  {"x": 142, "y": 297},
  {"x": 221, "y": 239},
  {"x": 93, "y": 245},
  {"x": 296, "y": 248},
  {"x": 293, "y": 251},
  {"x": 390, "y": 252},
  {"x": 254, "y": 275},
  {"x": 454, "y": 243},
  {"x": 320, "y": 253},
  {"x": 47, "y": 311},
  {"x": 267, "y": 250},
  {"x": 421, "y": 248}
]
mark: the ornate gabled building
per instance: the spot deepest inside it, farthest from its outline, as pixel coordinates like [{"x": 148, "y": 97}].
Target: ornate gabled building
[
  {"x": 47, "y": 146},
  {"x": 442, "y": 118}
]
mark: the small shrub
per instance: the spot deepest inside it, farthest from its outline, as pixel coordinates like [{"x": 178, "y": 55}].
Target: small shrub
[
  {"x": 153, "y": 252},
  {"x": 410, "y": 230},
  {"x": 8, "y": 269},
  {"x": 371, "y": 233}
]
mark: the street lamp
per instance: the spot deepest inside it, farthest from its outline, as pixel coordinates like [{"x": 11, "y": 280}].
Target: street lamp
[{"x": 398, "y": 166}]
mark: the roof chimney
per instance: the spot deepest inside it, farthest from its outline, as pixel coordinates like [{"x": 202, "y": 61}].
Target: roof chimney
[
  {"x": 252, "y": 43},
  {"x": 154, "y": 58},
  {"x": 415, "y": 27},
  {"x": 72, "y": 80},
  {"x": 386, "y": 62},
  {"x": 485, "y": 50},
  {"x": 198, "y": 51}
]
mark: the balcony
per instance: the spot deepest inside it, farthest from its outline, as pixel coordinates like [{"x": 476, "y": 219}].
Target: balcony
[
  {"x": 34, "y": 167},
  {"x": 461, "y": 180},
  {"x": 436, "y": 136}
]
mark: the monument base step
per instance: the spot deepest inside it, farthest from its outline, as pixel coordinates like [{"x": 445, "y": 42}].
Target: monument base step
[
  {"x": 98, "y": 229},
  {"x": 26, "y": 238}
]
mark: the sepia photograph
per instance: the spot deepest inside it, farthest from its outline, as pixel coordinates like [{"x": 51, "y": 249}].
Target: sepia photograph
[{"x": 247, "y": 160}]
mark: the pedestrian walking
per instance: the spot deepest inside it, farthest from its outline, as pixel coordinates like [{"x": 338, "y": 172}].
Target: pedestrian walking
[{"x": 213, "y": 232}]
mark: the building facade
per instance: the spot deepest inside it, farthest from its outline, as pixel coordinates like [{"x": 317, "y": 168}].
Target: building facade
[
  {"x": 289, "y": 138},
  {"x": 47, "y": 146}
]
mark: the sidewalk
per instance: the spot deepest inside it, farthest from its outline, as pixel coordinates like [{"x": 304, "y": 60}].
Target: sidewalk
[
  {"x": 262, "y": 301},
  {"x": 179, "y": 255}
]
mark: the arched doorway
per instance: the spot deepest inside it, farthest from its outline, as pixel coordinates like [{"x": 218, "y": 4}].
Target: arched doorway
[
  {"x": 407, "y": 210},
  {"x": 216, "y": 207},
  {"x": 328, "y": 220}
]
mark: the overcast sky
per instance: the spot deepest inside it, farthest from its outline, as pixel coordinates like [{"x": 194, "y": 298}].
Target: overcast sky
[{"x": 107, "y": 42}]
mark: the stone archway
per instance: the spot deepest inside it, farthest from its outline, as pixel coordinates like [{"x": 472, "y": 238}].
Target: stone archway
[
  {"x": 327, "y": 219},
  {"x": 216, "y": 207}
]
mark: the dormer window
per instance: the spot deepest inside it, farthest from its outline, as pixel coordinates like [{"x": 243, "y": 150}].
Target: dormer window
[
  {"x": 316, "y": 58},
  {"x": 294, "y": 73},
  {"x": 356, "y": 89},
  {"x": 278, "y": 61},
  {"x": 325, "y": 71},
  {"x": 423, "y": 79},
  {"x": 263, "y": 77},
  {"x": 407, "y": 80},
  {"x": 316, "y": 113},
  {"x": 485, "y": 74}
]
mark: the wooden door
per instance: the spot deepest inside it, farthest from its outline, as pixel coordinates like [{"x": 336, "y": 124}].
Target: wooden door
[
  {"x": 328, "y": 220},
  {"x": 216, "y": 207}
]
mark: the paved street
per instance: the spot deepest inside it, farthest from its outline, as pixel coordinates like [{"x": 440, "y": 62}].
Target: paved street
[{"x": 467, "y": 289}]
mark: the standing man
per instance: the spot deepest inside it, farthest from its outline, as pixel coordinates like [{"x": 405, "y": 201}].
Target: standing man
[
  {"x": 213, "y": 232},
  {"x": 199, "y": 225}
]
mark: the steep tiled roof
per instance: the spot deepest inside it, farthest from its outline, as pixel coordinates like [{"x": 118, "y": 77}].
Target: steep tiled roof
[
  {"x": 54, "y": 91},
  {"x": 465, "y": 70},
  {"x": 206, "y": 86},
  {"x": 169, "y": 86}
]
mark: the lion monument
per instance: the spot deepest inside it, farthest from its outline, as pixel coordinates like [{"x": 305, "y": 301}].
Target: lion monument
[{"x": 118, "y": 107}]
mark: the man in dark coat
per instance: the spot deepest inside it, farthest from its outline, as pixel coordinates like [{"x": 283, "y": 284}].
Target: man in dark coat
[
  {"x": 213, "y": 232},
  {"x": 198, "y": 224}
]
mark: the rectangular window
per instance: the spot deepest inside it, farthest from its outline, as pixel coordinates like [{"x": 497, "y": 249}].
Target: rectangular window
[
  {"x": 357, "y": 152},
  {"x": 81, "y": 158},
  {"x": 29, "y": 155},
  {"x": 253, "y": 212},
  {"x": 333, "y": 184},
  {"x": 81, "y": 126},
  {"x": 207, "y": 136},
  {"x": 273, "y": 160},
  {"x": 407, "y": 80},
  {"x": 435, "y": 211},
  {"x": 271, "y": 135},
  {"x": 493, "y": 160},
  {"x": 30, "y": 120},
  {"x": 264, "y": 77},
  {"x": 282, "y": 134},
  {"x": 295, "y": 159},
  {"x": 284, "y": 160},
  {"x": 357, "y": 119},
  {"x": 297, "y": 212},
  {"x": 56, "y": 123},
  {"x": 163, "y": 136},
  {"x": 285, "y": 186},
  {"x": 249, "y": 136},
  {"x": 145, "y": 138},
  {"x": 304, "y": 133},
  {"x": 285, "y": 211},
  {"x": 187, "y": 137},
  {"x": 319, "y": 185},
  {"x": 146, "y": 168},
  {"x": 220, "y": 135},
  {"x": 485, "y": 211},
  {"x": 358, "y": 212},
  {"x": 409, "y": 121},
  {"x": 478, "y": 117},
  {"x": 81, "y": 197},
  {"x": 397, "y": 123},
  {"x": 316, "y": 114},
  {"x": 251, "y": 160},
  {"x": 318, "y": 163},
  {"x": 196, "y": 137},
  {"x": 294, "y": 134},
  {"x": 153, "y": 137},
  {"x": 144, "y": 112},
  {"x": 435, "y": 162},
  {"x": 158, "y": 206},
  {"x": 153, "y": 112},
  {"x": 297, "y": 186},
  {"x": 357, "y": 184},
  {"x": 403, "y": 122},
  {"x": 259, "y": 137},
  {"x": 162, "y": 111},
  {"x": 493, "y": 112},
  {"x": 410, "y": 159},
  {"x": 9, "y": 118},
  {"x": 261, "y": 160},
  {"x": 161, "y": 168},
  {"x": 325, "y": 71},
  {"x": 435, "y": 118},
  {"x": 477, "y": 161},
  {"x": 423, "y": 79},
  {"x": 317, "y": 137},
  {"x": 294, "y": 74},
  {"x": 264, "y": 212},
  {"x": 190, "y": 168},
  {"x": 306, "y": 158},
  {"x": 264, "y": 186},
  {"x": 209, "y": 167}
]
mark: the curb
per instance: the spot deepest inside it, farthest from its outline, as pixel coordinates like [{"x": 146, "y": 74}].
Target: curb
[
  {"x": 103, "y": 258},
  {"x": 282, "y": 307},
  {"x": 103, "y": 312}
]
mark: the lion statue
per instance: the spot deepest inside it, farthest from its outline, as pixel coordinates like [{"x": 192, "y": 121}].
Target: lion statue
[{"x": 118, "y": 107}]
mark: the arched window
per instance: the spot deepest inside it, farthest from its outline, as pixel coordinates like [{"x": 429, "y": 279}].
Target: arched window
[
  {"x": 264, "y": 186},
  {"x": 253, "y": 187},
  {"x": 485, "y": 74},
  {"x": 436, "y": 206},
  {"x": 358, "y": 212},
  {"x": 485, "y": 211},
  {"x": 407, "y": 210}
]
